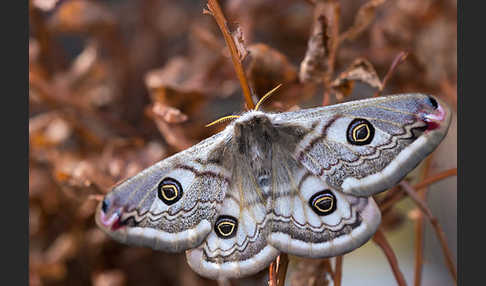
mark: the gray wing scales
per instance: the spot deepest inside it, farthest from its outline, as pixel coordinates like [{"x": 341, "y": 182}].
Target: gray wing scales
[
  {"x": 336, "y": 224},
  {"x": 403, "y": 130},
  {"x": 295, "y": 182},
  {"x": 172, "y": 205}
]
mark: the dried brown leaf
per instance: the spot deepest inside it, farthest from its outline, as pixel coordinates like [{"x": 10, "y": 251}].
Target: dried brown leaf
[
  {"x": 343, "y": 89},
  {"x": 79, "y": 16},
  {"x": 45, "y": 5},
  {"x": 73, "y": 173},
  {"x": 311, "y": 272},
  {"x": 318, "y": 63},
  {"x": 34, "y": 50},
  {"x": 169, "y": 114},
  {"x": 267, "y": 68},
  {"x": 363, "y": 19},
  {"x": 51, "y": 271},
  {"x": 109, "y": 278},
  {"x": 178, "y": 103},
  {"x": 208, "y": 38},
  {"x": 123, "y": 158},
  {"x": 237, "y": 35},
  {"x": 436, "y": 52},
  {"x": 175, "y": 133},
  {"x": 360, "y": 70},
  {"x": 48, "y": 130},
  {"x": 63, "y": 248},
  {"x": 177, "y": 85},
  {"x": 314, "y": 65},
  {"x": 85, "y": 61},
  {"x": 35, "y": 220}
]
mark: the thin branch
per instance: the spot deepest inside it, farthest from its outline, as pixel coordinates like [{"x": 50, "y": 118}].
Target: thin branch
[
  {"x": 272, "y": 274},
  {"x": 400, "y": 58},
  {"x": 278, "y": 270},
  {"x": 281, "y": 268},
  {"x": 412, "y": 193},
  {"x": 215, "y": 10},
  {"x": 419, "y": 230},
  {"x": 380, "y": 239},
  {"x": 396, "y": 195},
  {"x": 338, "y": 271},
  {"x": 326, "y": 264},
  {"x": 326, "y": 100},
  {"x": 438, "y": 177},
  {"x": 223, "y": 282}
]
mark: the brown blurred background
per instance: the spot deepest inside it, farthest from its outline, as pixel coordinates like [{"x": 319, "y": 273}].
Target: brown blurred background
[{"x": 116, "y": 86}]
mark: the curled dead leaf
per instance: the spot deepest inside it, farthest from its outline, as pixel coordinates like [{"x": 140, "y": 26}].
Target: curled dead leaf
[
  {"x": 109, "y": 278},
  {"x": 63, "y": 248},
  {"x": 168, "y": 114},
  {"x": 79, "y": 16},
  {"x": 310, "y": 272},
  {"x": 45, "y": 5},
  {"x": 360, "y": 70},
  {"x": 174, "y": 130},
  {"x": 267, "y": 68},
  {"x": 363, "y": 19},
  {"x": 237, "y": 35},
  {"x": 178, "y": 105},
  {"x": 318, "y": 63}
]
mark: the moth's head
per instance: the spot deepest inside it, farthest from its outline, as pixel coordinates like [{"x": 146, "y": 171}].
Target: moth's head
[
  {"x": 431, "y": 118},
  {"x": 125, "y": 204},
  {"x": 250, "y": 120},
  {"x": 434, "y": 113},
  {"x": 110, "y": 212},
  {"x": 252, "y": 117}
]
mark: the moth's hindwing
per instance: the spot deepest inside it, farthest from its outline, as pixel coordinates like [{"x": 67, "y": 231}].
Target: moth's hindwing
[
  {"x": 296, "y": 182},
  {"x": 311, "y": 218}
]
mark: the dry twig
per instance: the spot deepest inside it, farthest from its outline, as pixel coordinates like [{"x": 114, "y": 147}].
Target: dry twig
[
  {"x": 419, "y": 230},
  {"x": 394, "y": 195},
  {"x": 400, "y": 58},
  {"x": 215, "y": 10},
  {"x": 380, "y": 239},
  {"x": 338, "y": 270},
  {"x": 412, "y": 193}
]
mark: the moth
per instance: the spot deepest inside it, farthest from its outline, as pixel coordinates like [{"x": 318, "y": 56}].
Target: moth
[{"x": 297, "y": 182}]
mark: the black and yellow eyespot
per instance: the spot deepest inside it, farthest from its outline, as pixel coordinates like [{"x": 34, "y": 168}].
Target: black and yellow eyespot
[
  {"x": 360, "y": 132},
  {"x": 169, "y": 191},
  {"x": 323, "y": 202},
  {"x": 226, "y": 226}
]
